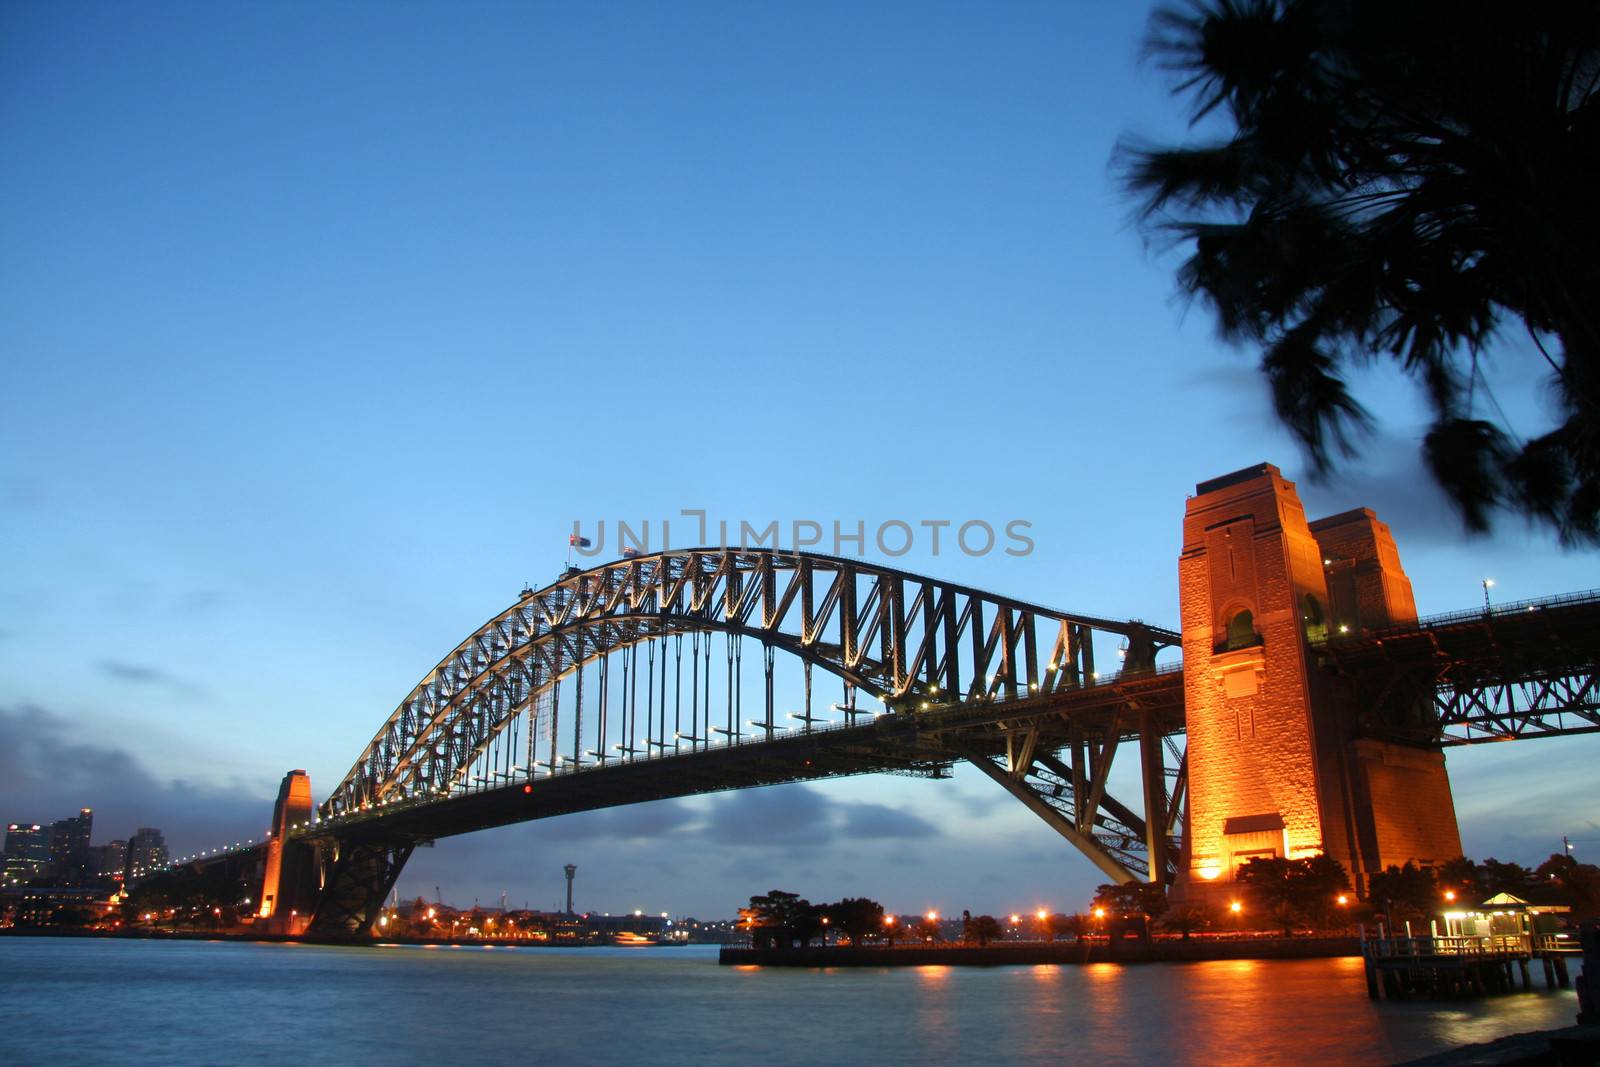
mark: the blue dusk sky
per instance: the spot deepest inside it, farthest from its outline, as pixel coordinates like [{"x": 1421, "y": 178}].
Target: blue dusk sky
[{"x": 322, "y": 324}]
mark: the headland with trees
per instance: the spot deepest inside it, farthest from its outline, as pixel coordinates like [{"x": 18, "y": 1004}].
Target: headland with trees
[{"x": 1277, "y": 908}]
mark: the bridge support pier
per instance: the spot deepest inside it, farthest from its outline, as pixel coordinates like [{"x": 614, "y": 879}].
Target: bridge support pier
[
  {"x": 357, "y": 877},
  {"x": 289, "y": 878},
  {"x": 1153, "y": 769}
]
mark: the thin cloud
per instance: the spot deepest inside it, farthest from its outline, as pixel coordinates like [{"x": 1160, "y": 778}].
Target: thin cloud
[
  {"x": 1522, "y": 799},
  {"x": 775, "y": 817},
  {"x": 140, "y": 674},
  {"x": 636, "y": 822},
  {"x": 879, "y": 821},
  {"x": 47, "y": 773},
  {"x": 199, "y": 602}
]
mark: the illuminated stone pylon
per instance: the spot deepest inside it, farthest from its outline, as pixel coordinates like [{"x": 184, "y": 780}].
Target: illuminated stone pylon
[
  {"x": 288, "y": 883},
  {"x": 1277, "y": 765}
]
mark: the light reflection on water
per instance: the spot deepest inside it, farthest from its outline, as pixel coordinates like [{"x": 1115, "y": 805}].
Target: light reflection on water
[{"x": 88, "y": 1001}]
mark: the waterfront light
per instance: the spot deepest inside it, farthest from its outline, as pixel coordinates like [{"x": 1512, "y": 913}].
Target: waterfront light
[
  {"x": 888, "y": 920},
  {"x": 1015, "y": 919},
  {"x": 1449, "y": 894},
  {"x": 1099, "y": 913},
  {"x": 1041, "y": 915},
  {"x": 932, "y": 916},
  {"x": 1343, "y": 899},
  {"x": 1236, "y": 907}
]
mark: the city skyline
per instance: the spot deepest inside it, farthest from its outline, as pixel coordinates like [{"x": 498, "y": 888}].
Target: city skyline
[{"x": 331, "y": 367}]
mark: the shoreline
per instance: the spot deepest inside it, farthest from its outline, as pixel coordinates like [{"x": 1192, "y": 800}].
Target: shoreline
[
  {"x": 1579, "y": 1043},
  {"x": 1069, "y": 952},
  {"x": 355, "y": 942},
  {"x": 992, "y": 955}
]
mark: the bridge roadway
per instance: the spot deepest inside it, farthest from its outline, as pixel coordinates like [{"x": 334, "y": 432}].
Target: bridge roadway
[
  {"x": 922, "y": 744},
  {"x": 1524, "y": 669},
  {"x": 1015, "y": 742}
]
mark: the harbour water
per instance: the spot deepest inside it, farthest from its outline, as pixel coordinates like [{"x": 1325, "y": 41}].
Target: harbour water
[{"x": 88, "y": 1001}]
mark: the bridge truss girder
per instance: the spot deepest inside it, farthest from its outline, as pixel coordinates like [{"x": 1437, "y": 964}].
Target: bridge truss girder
[
  {"x": 897, "y": 636},
  {"x": 1507, "y": 711},
  {"x": 1522, "y": 671}
]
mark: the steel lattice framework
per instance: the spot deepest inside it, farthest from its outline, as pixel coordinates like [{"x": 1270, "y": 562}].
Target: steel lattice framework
[
  {"x": 1540, "y": 707},
  {"x": 1522, "y": 670},
  {"x": 911, "y": 641}
]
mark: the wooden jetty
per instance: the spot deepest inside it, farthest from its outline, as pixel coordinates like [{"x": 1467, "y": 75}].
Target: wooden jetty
[{"x": 1454, "y": 966}]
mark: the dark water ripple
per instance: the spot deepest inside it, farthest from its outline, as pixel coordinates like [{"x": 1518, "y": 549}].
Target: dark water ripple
[{"x": 140, "y": 1002}]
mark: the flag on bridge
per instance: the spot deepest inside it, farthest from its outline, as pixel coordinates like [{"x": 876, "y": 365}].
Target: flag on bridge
[{"x": 578, "y": 542}]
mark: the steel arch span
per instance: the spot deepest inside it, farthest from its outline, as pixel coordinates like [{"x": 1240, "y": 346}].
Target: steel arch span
[
  {"x": 579, "y": 696},
  {"x": 911, "y": 641},
  {"x": 962, "y": 675}
]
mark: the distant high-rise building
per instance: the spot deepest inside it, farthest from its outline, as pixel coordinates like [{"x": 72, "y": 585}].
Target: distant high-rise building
[
  {"x": 69, "y": 848},
  {"x": 109, "y": 860},
  {"x": 27, "y": 853},
  {"x": 147, "y": 853}
]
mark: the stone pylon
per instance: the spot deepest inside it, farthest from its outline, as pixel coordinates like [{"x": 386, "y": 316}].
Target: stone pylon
[
  {"x": 289, "y": 883},
  {"x": 1277, "y": 761}
]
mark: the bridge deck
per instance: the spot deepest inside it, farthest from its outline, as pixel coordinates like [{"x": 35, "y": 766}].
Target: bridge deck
[
  {"x": 923, "y": 742},
  {"x": 1522, "y": 670}
]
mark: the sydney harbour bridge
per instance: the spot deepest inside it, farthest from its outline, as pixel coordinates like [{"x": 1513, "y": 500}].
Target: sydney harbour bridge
[{"x": 701, "y": 670}]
